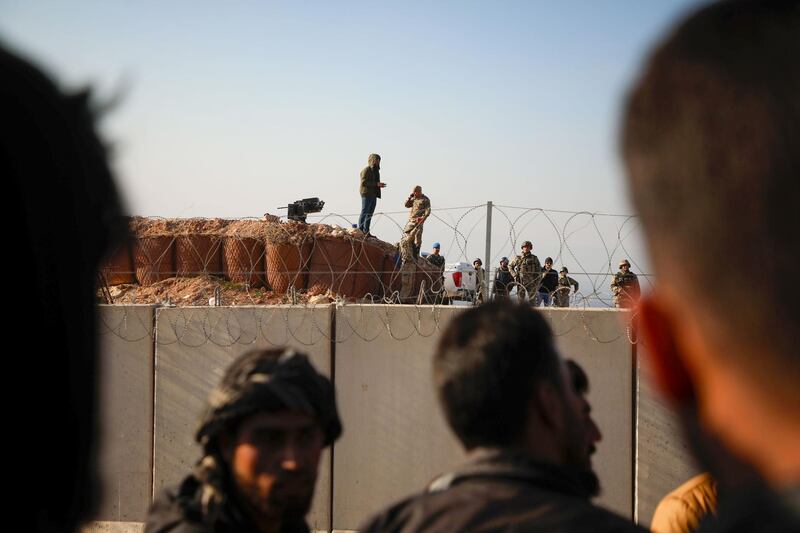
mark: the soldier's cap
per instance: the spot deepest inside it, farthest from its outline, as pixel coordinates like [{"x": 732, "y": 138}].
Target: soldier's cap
[
  {"x": 437, "y": 245},
  {"x": 504, "y": 259},
  {"x": 477, "y": 261},
  {"x": 624, "y": 262},
  {"x": 527, "y": 243},
  {"x": 564, "y": 269},
  {"x": 269, "y": 381}
]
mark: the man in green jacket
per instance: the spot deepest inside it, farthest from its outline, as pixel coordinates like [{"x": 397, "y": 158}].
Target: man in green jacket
[{"x": 370, "y": 190}]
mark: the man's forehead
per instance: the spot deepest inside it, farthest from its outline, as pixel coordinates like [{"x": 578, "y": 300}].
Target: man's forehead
[{"x": 279, "y": 420}]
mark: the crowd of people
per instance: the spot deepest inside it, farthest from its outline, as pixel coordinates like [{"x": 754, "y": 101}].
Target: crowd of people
[
  {"x": 711, "y": 150},
  {"x": 542, "y": 286}
]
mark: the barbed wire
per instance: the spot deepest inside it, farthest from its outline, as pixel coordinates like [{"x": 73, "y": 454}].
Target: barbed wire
[
  {"x": 252, "y": 262},
  {"x": 225, "y": 327}
]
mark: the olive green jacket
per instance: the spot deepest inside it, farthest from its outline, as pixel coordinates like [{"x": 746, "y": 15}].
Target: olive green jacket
[{"x": 370, "y": 177}]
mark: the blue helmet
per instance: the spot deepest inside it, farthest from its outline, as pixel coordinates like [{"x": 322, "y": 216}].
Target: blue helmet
[{"x": 437, "y": 245}]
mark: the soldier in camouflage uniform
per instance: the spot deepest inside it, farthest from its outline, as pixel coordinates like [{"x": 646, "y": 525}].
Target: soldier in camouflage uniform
[
  {"x": 561, "y": 296},
  {"x": 435, "y": 258},
  {"x": 527, "y": 271},
  {"x": 420, "y": 210},
  {"x": 625, "y": 286},
  {"x": 481, "y": 291},
  {"x": 502, "y": 279},
  {"x": 407, "y": 268}
]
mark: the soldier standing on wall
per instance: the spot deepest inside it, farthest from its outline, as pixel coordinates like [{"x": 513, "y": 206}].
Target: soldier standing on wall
[
  {"x": 435, "y": 258},
  {"x": 420, "y": 210},
  {"x": 527, "y": 271},
  {"x": 561, "y": 296},
  {"x": 502, "y": 279},
  {"x": 625, "y": 286},
  {"x": 480, "y": 281}
]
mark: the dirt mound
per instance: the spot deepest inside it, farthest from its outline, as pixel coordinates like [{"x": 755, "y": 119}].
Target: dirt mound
[
  {"x": 196, "y": 292},
  {"x": 184, "y": 259},
  {"x": 200, "y": 226}
]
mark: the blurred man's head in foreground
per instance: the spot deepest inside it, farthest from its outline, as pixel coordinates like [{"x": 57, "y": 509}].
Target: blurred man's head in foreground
[
  {"x": 66, "y": 215},
  {"x": 711, "y": 142}
]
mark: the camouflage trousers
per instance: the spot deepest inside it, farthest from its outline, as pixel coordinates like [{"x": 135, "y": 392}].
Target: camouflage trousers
[
  {"x": 527, "y": 291},
  {"x": 414, "y": 231},
  {"x": 408, "y": 267},
  {"x": 623, "y": 301},
  {"x": 561, "y": 297}
]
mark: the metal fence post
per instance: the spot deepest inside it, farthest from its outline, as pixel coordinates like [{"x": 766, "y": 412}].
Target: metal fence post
[{"x": 488, "y": 255}]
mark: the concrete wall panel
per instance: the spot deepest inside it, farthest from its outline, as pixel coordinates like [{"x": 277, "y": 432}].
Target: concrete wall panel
[
  {"x": 663, "y": 460},
  {"x": 395, "y": 438},
  {"x": 194, "y": 346},
  {"x": 126, "y": 411}
]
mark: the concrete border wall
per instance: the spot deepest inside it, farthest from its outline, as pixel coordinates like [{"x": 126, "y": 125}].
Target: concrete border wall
[{"x": 395, "y": 439}]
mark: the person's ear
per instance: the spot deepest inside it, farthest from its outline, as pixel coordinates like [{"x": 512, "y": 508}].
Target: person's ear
[
  {"x": 548, "y": 404},
  {"x": 664, "y": 356}
]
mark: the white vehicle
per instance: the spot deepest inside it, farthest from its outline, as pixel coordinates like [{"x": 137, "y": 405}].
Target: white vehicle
[{"x": 460, "y": 282}]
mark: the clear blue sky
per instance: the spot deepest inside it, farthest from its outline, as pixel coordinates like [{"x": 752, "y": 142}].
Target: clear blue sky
[{"x": 232, "y": 111}]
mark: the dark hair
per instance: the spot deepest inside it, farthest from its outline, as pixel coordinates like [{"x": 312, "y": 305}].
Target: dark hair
[
  {"x": 549, "y": 260},
  {"x": 580, "y": 382},
  {"x": 486, "y": 363},
  {"x": 711, "y": 140}
]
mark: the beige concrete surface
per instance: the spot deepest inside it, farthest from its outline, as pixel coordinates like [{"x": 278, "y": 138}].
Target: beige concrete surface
[
  {"x": 597, "y": 340},
  {"x": 193, "y": 348},
  {"x": 126, "y": 411},
  {"x": 395, "y": 438},
  {"x": 663, "y": 460}
]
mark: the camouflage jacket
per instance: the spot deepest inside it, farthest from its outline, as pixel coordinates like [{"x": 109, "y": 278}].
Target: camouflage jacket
[
  {"x": 625, "y": 284},
  {"x": 526, "y": 269},
  {"x": 436, "y": 260},
  {"x": 564, "y": 282},
  {"x": 420, "y": 207}
]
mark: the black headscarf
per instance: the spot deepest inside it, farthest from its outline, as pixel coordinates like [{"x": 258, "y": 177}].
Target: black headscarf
[{"x": 268, "y": 381}]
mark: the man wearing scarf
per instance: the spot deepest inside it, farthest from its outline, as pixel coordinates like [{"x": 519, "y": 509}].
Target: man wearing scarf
[{"x": 265, "y": 427}]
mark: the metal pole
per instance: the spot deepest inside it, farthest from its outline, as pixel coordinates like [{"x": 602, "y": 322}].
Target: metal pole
[{"x": 488, "y": 255}]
